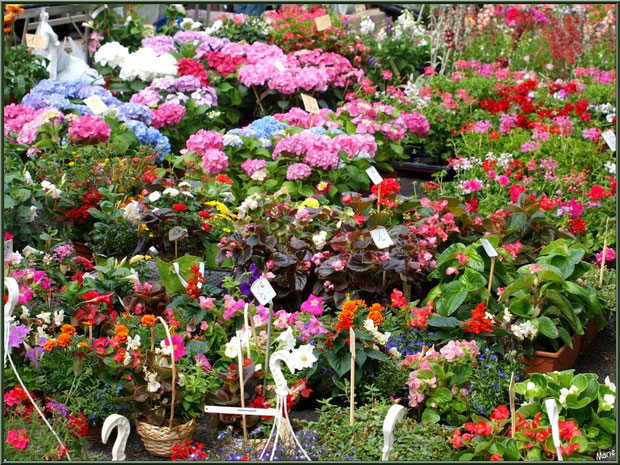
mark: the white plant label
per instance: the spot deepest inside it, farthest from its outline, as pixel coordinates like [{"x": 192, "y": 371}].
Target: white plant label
[
  {"x": 310, "y": 104},
  {"x": 279, "y": 66},
  {"x": 36, "y": 41},
  {"x": 177, "y": 233},
  {"x": 96, "y": 105},
  {"x": 323, "y": 22},
  {"x": 360, "y": 8},
  {"x": 610, "y": 138},
  {"x": 8, "y": 247},
  {"x": 352, "y": 342},
  {"x": 381, "y": 237},
  {"x": 488, "y": 248},
  {"x": 149, "y": 30},
  {"x": 553, "y": 414},
  {"x": 153, "y": 251},
  {"x": 263, "y": 291},
  {"x": 374, "y": 175}
]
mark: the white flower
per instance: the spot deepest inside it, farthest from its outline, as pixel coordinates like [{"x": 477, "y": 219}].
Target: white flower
[
  {"x": 59, "y": 316},
  {"x": 185, "y": 184},
  {"x": 181, "y": 379},
  {"x": 394, "y": 352},
  {"x": 111, "y": 54},
  {"x": 171, "y": 191},
  {"x": 609, "y": 400},
  {"x": 232, "y": 140},
  {"x": 367, "y": 26},
  {"x": 382, "y": 338},
  {"x": 232, "y": 348},
  {"x": 154, "y": 196},
  {"x": 304, "y": 357},
  {"x": 524, "y": 330},
  {"x": 131, "y": 212},
  {"x": 381, "y": 36},
  {"x": 369, "y": 326},
  {"x": 286, "y": 339},
  {"x": 564, "y": 393},
  {"x": 610, "y": 166},
  {"x": 153, "y": 384},
  {"x": 187, "y": 194},
  {"x": 610, "y": 385},
  {"x": 133, "y": 343},
  {"x": 530, "y": 386},
  {"x": 507, "y": 315},
  {"x": 33, "y": 213},
  {"x": 25, "y": 312},
  {"x": 320, "y": 239},
  {"x": 14, "y": 258},
  {"x": 46, "y": 317},
  {"x": 28, "y": 178},
  {"x": 146, "y": 65},
  {"x": 259, "y": 175},
  {"x": 51, "y": 190}
]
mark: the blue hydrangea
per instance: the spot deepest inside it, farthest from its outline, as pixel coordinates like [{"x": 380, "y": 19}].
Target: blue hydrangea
[
  {"x": 265, "y": 127},
  {"x": 317, "y": 130},
  {"x": 134, "y": 111},
  {"x": 74, "y": 87}
]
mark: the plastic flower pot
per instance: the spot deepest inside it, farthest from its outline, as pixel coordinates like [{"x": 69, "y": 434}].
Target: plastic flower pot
[
  {"x": 210, "y": 254},
  {"x": 563, "y": 359}
]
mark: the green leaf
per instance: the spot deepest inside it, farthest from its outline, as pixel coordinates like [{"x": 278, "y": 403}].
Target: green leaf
[
  {"x": 547, "y": 327},
  {"x": 452, "y": 296},
  {"x": 443, "y": 322},
  {"x": 431, "y": 415},
  {"x": 340, "y": 364}
]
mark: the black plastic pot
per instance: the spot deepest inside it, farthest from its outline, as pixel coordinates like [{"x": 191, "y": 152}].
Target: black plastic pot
[{"x": 422, "y": 165}]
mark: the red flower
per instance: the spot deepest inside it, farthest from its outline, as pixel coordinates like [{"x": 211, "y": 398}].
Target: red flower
[
  {"x": 515, "y": 192},
  {"x": 187, "y": 66},
  {"x": 542, "y": 435},
  {"x": 204, "y": 215},
  {"x": 597, "y": 192},
  {"x": 479, "y": 322},
  {"x": 18, "y": 439},
  {"x": 577, "y": 226},
  {"x": 500, "y": 413},
  {"x": 398, "y": 299},
  {"x": 496, "y": 458},
  {"x": 431, "y": 186},
  {"x": 359, "y": 219},
  {"x": 78, "y": 425},
  {"x": 471, "y": 205},
  {"x": 179, "y": 207},
  {"x": 223, "y": 178}
]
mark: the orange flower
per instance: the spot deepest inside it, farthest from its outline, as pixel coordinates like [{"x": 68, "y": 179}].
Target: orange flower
[
  {"x": 81, "y": 345},
  {"x": 148, "y": 320},
  {"x": 15, "y": 8},
  {"x": 121, "y": 329},
  {"x": 49, "y": 345},
  {"x": 69, "y": 329},
  {"x": 64, "y": 339}
]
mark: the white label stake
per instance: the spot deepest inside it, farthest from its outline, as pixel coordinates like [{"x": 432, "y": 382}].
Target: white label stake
[
  {"x": 554, "y": 416},
  {"x": 610, "y": 138},
  {"x": 96, "y": 105},
  {"x": 374, "y": 175},
  {"x": 381, "y": 237},
  {"x": 263, "y": 291}
]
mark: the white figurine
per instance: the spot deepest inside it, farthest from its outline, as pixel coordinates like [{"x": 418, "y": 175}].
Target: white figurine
[{"x": 122, "y": 423}]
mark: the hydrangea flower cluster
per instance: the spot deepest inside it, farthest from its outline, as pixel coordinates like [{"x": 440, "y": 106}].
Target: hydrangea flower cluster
[
  {"x": 209, "y": 145},
  {"x": 173, "y": 90},
  {"x": 167, "y": 114},
  {"x": 160, "y": 44},
  {"x": 144, "y": 64},
  {"x": 89, "y": 129}
]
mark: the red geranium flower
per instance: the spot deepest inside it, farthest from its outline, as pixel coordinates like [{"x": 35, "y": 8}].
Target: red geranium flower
[{"x": 179, "y": 207}]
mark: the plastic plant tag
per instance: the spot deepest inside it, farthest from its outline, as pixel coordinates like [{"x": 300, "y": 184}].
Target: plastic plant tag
[
  {"x": 263, "y": 291},
  {"x": 279, "y": 66},
  {"x": 282, "y": 191},
  {"x": 177, "y": 233},
  {"x": 553, "y": 414},
  {"x": 96, "y": 105},
  {"x": 323, "y": 22},
  {"x": 381, "y": 237},
  {"x": 352, "y": 342},
  {"x": 374, "y": 175},
  {"x": 360, "y": 8},
  {"x": 8, "y": 247},
  {"x": 610, "y": 138},
  {"x": 36, "y": 41},
  {"x": 153, "y": 251},
  {"x": 310, "y": 104},
  {"x": 488, "y": 248}
]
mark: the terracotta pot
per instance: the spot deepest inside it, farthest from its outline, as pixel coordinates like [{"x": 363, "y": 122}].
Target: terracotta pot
[
  {"x": 563, "y": 359},
  {"x": 82, "y": 250},
  {"x": 94, "y": 432},
  {"x": 590, "y": 332}
]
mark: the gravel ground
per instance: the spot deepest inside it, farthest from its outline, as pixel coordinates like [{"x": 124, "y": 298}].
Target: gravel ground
[{"x": 600, "y": 357}]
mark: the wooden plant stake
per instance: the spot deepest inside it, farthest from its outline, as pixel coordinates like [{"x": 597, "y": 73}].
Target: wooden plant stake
[
  {"x": 378, "y": 198},
  {"x": 491, "y": 279},
  {"x": 600, "y": 281},
  {"x": 242, "y": 389},
  {"x": 511, "y": 393},
  {"x": 492, "y": 253},
  {"x": 247, "y": 329},
  {"x": 353, "y": 357}
]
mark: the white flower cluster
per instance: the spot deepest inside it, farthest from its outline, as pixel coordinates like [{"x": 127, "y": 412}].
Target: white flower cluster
[
  {"x": 188, "y": 24},
  {"x": 412, "y": 91},
  {"x": 111, "y": 54},
  {"x": 564, "y": 393},
  {"x": 320, "y": 239},
  {"x": 216, "y": 26},
  {"x": 606, "y": 109},
  {"x": 51, "y": 190},
  {"x": 503, "y": 159},
  {"x": 367, "y": 26},
  {"x": 131, "y": 212},
  {"x": 524, "y": 330},
  {"x": 610, "y": 167},
  {"x": 379, "y": 337},
  {"x": 250, "y": 203},
  {"x": 145, "y": 65},
  {"x": 232, "y": 347}
]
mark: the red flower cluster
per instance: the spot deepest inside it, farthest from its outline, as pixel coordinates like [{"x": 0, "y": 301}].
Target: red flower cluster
[
  {"x": 90, "y": 199},
  {"x": 479, "y": 322},
  {"x": 78, "y": 425},
  {"x": 223, "y": 63},
  {"x": 420, "y": 316},
  {"x": 398, "y": 299},
  {"x": 192, "y": 288},
  {"x": 187, "y": 66},
  {"x": 188, "y": 450},
  {"x": 179, "y": 207},
  {"x": 389, "y": 188}
]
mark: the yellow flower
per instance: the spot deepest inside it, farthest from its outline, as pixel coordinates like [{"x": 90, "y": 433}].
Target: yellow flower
[
  {"x": 310, "y": 202},
  {"x": 136, "y": 258},
  {"x": 71, "y": 163},
  {"x": 147, "y": 257},
  {"x": 143, "y": 227},
  {"x": 219, "y": 207}
]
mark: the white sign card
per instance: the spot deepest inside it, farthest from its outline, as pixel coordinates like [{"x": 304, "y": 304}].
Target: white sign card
[
  {"x": 96, "y": 105},
  {"x": 381, "y": 237},
  {"x": 488, "y": 248},
  {"x": 323, "y": 22},
  {"x": 610, "y": 138},
  {"x": 374, "y": 175},
  {"x": 36, "y": 41},
  {"x": 177, "y": 233},
  {"x": 310, "y": 104},
  {"x": 263, "y": 291}
]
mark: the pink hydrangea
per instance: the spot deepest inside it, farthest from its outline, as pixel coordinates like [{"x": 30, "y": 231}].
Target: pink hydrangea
[
  {"x": 251, "y": 166},
  {"x": 202, "y": 141},
  {"x": 610, "y": 256},
  {"x": 298, "y": 171},
  {"x": 356, "y": 144},
  {"x": 168, "y": 114},
  {"x": 214, "y": 161},
  {"x": 416, "y": 123},
  {"x": 89, "y": 129}
]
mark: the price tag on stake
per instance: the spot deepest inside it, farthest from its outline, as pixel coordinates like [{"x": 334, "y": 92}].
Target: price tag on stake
[
  {"x": 36, "y": 41},
  {"x": 360, "y": 8},
  {"x": 394, "y": 68},
  {"x": 242, "y": 42},
  {"x": 374, "y": 175},
  {"x": 263, "y": 291},
  {"x": 381, "y": 238},
  {"x": 279, "y": 66},
  {"x": 610, "y": 138},
  {"x": 177, "y": 233},
  {"x": 310, "y": 104},
  {"x": 488, "y": 248},
  {"x": 96, "y": 105},
  {"x": 149, "y": 30},
  {"x": 323, "y": 22}
]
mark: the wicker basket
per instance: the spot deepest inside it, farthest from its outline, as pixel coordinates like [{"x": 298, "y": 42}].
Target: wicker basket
[{"x": 159, "y": 440}]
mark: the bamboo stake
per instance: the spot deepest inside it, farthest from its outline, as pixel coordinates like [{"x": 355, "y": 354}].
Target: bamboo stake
[
  {"x": 491, "y": 279},
  {"x": 511, "y": 393},
  {"x": 352, "y": 349},
  {"x": 600, "y": 281},
  {"x": 242, "y": 388}
]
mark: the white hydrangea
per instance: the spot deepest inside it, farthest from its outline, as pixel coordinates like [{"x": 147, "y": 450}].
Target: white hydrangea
[
  {"x": 146, "y": 65},
  {"x": 112, "y": 54}
]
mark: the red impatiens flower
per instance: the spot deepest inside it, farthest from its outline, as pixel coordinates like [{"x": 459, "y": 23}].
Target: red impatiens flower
[
  {"x": 496, "y": 458},
  {"x": 398, "y": 299},
  {"x": 500, "y": 413},
  {"x": 479, "y": 322},
  {"x": 179, "y": 207}
]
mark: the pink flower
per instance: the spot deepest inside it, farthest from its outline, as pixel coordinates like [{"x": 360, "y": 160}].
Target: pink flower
[
  {"x": 535, "y": 269},
  {"x": 471, "y": 185},
  {"x": 89, "y": 129},
  {"x": 178, "y": 345},
  {"x": 298, "y": 171},
  {"x": 530, "y": 146},
  {"x": 214, "y": 161},
  {"x": 592, "y": 133},
  {"x": 206, "y": 302},
  {"x": 313, "y": 305},
  {"x": 168, "y": 114},
  {"x": 514, "y": 249},
  {"x": 337, "y": 265},
  {"x": 482, "y": 126},
  {"x": 503, "y": 180},
  {"x": 251, "y": 166},
  {"x": 610, "y": 256}
]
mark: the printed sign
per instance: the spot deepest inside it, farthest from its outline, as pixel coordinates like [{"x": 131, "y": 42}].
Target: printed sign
[
  {"x": 488, "y": 248},
  {"x": 374, "y": 175},
  {"x": 263, "y": 291},
  {"x": 149, "y": 30},
  {"x": 310, "y": 104},
  {"x": 323, "y": 22},
  {"x": 36, "y": 41},
  {"x": 177, "y": 233},
  {"x": 381, "y": 237},
  {"x": 95, "y": 104},
  {"x": 610, "y": 138},
  {"x": 360, "y": 8}
]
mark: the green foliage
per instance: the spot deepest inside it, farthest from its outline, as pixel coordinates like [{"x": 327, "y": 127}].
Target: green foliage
[{"x": 22, "y": 71}]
